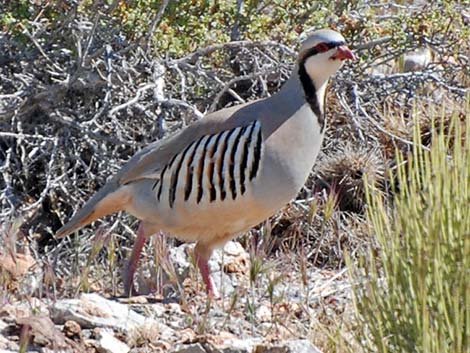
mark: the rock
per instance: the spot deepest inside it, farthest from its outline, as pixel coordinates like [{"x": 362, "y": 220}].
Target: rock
[
  {"x": 234, "y": 249},
  {"x": 263, "y": 313},
  {"x": 302, "y": 346},
  {"x": 190, "y": 348},
  {"x": 72, "y": 329},
  {"x": 92, "y": 310},
  {"x": 137, "y": 299},
  {"x": 16, "y": 265},
  {"x": 107, "y": 343},
  {"x": 3, "y": 325},
  {"x": 179, "y": 257},
  {"x": 21, "y": 272},
  {"x": 234, "y": 345},
  {"x": 150, "y": 332},
  {"x": 223, "y": 283},
  {"x": 233, "y": 258},
  {"x": 7, "y": 345},
  {"x": 43, "y": 331},
  {"x": 148, "y": 350},
  {"x": 294, "y": 346},
  {"x": 32, "y": 307},
  {"x": 417, "y": 59},
  {"x": 158, "y": 309}
]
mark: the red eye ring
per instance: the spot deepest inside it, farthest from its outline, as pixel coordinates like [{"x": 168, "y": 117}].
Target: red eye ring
[{"x": 322, "y": 47}]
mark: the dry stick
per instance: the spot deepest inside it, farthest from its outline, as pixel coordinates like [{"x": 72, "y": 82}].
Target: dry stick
[
  {"x": 154, "y": 23},
  {"x": 109, "y": 84},
  {"x": 133, "y": 100},
  {"x": 182, "y": 90},
  {"x": 388, "y": 133},
  {"x": 229, "y": 90},
  {"x": 357, "y": 125},
  {"x": 81, "y": 60},
  {"x": 38, "y": 46},
  {"x": 230, "y": 45},
  {"x": 8, "y": 192},
  {"x": 372, "y": 43},
  {"x": 235, "y": 32},
  {"x": 179, "y": 102},
  {"x": 48, "y": 185},
  {"x": 12, "y": 95},
  {"x": 22, "y": 135},
  {"x": 69, "y": 122},
  {"x": 136, "y": 98},
  {"x": 235, "y": 80}
]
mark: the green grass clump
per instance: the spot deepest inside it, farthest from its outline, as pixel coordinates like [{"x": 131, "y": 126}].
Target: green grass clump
[{"x": 416, "y": 297}]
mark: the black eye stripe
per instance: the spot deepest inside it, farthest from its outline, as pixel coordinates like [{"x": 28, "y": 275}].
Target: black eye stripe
[
  {"x": 322, "y": 47},
  {"x": 317, "y": 48},
  {"x": 332, "y": 45}
]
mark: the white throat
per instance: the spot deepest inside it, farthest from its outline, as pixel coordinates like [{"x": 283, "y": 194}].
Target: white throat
[
  {"x": 320, "y": 91},
  {"x": 320, "y": 68}
]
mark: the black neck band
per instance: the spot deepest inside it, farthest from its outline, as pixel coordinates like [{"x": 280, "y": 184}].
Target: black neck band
[{"x": 310, "y": 90}]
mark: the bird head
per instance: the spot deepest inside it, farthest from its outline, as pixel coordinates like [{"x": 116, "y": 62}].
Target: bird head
[{"x": 322, "y": 54}]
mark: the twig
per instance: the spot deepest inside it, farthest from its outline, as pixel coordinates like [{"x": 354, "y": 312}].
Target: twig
[
  {"x": 49, "y": 175},
  {"x": 154, "y": 23},
  {"x": 388, "y": 133},
  {"x": 372, "y": 43},
  {"x": 22, "y": 135},
  {"x": 133, "y": 100},
  {"x": 235, "y": 80},
  {"x": 230, "y": 45}
]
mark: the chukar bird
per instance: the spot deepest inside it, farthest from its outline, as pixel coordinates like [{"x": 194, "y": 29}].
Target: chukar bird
[{"x": 230, "y": 170}]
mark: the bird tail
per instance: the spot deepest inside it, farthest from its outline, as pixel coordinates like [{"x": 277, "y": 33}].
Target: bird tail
[{"x": 108, "y": 200}]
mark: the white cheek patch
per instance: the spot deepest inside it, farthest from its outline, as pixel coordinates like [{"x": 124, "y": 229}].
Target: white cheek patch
[{"x": 320, "y": 67}]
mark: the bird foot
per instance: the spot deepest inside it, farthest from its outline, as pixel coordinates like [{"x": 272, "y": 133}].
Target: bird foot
[
  {"x": 128, "y": 281},
  {"x": 131, "y": 266},
  {"x": 212, "y": 291},
  {"x": 203, "y": 265}
]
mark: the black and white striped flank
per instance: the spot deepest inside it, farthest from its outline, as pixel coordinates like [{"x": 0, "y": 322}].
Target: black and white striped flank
[{"x": 214, "y": 167}]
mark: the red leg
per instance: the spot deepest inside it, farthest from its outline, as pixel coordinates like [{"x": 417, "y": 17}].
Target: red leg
[
  {"x": 133, "y": 261},
  {"x": 202, "y": 255}
]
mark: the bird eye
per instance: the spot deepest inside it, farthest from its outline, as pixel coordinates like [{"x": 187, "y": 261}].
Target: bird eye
[{"x": 322, "y": 47}]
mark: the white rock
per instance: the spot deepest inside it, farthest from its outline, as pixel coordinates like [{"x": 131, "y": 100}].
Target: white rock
[
  {"x": 231, "y": 250},
  {"x": 302, "y": 346},
  {"x": 236, "y": 345},
  {"x": 92, "y": 310},
  {"x": 294, "y": 346},
  {"x": 7, "y": 345},
  {"x": 417, "y": 59},
  {"x": 179, "y": 258},
  {"x": 158, "y": 309},
  {"x": 263, "y": 313},
  {"x": 3, "y": 325},
  {"x": 223, "y": 283},
  {"x": 190, "y": 348},
  {"x": 107, "y": 343}
]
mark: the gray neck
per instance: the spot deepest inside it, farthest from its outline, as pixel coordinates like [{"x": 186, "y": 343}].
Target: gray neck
[
  {"x": 299, "y": 90},
  {"x": 280, "y": 107}
]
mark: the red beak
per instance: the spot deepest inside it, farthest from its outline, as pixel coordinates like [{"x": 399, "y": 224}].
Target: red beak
[{"x": 343, "y": 53}]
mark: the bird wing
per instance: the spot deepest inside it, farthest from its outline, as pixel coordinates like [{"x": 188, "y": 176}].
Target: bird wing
[{"x": 148, "y": 163}]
